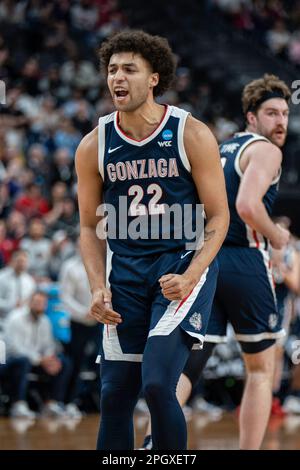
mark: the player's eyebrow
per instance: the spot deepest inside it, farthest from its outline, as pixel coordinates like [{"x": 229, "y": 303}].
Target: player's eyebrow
[
  {"x": 126, "y": 64},
  {"x": 277, "y": 110}
]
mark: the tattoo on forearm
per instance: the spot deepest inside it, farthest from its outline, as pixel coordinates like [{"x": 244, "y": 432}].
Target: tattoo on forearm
[
  {"x": 208, "y": 235},
  {"x": 197, "y": 253}
]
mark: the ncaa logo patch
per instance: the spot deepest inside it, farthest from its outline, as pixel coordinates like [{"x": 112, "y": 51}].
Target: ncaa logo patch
[
  {"x": 167, "y": 134},
  {"x": 196, "y": 321},
  {"x": 273, "y": 319}
]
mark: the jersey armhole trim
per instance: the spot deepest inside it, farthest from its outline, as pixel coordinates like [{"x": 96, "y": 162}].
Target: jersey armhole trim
[
  {"x": 241, "y": 150},
  {"x": 101, "y": 146},
  {"x": 277, "y": 178},
  {"x": 180, "y": 138}
]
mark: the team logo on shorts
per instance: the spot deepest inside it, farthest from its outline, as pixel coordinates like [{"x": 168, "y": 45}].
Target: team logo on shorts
[
  {"x": 196, "y": 321},
  {"x": 273, "y": 319}
]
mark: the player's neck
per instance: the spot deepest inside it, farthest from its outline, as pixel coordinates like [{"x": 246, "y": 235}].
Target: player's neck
[
  {"x": 140, "y": 123},
  {"x": 251, "y": 129}
]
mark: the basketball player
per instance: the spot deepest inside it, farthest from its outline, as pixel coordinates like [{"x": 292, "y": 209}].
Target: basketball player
[
  {"x": 147, "y": 157},
  {"x": 245, "y": 293}
]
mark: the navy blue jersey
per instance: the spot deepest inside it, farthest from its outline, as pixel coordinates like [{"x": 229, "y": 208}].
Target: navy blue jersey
[
  {"x": 141, "y": 180},
  {"x": 239, "y": 232}
]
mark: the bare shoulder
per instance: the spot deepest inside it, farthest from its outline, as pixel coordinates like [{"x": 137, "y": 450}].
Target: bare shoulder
[
  {"x": 261, "y": 151},
  {"x": 259, "y": 147},
  {"x": 195, "y": 129},
  {"x": 199, "y": 141},
  {"x": 87, "y": 151}
]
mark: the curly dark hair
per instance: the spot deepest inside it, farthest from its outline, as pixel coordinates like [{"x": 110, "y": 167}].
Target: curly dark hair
[{"x": 154, "y": 49}]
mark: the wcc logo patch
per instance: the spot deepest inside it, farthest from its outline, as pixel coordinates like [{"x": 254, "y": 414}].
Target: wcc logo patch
[
  {"x": 167, "y": 136},
  {"x": 196, "y": 321}
]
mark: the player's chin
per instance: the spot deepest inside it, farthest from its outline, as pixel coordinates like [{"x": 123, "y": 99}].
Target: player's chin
[
  {"x": 279, "y": 139},
  {"x": 123, "y": 104},
  {"x": 120, "y": 107}
]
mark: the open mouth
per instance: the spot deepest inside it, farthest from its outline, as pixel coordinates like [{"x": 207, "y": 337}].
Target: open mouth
[
  {"x": 280, "y": 133},
  {"x": 121, "y": 94}
]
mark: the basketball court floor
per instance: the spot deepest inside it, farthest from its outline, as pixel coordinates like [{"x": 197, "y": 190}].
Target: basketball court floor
[{"x": 205, "y": 432}]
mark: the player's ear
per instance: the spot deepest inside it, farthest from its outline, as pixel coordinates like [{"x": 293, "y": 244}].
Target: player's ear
[
  {"x": 251, "y": 118},
  {"x": 154, "y": 79}
]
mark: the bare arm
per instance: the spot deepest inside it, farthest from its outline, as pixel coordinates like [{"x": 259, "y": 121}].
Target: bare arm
[
  {"x": 203, "y": 154},
  {"x": 93, "y": 249},
  {"x": 262, "y": 162},
  {"x": 90, "y": 184}
]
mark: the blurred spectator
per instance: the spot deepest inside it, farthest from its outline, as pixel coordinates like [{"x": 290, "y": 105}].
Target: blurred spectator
[
  {"x": 278, "y": 38},
  {"x": 5, "y": 202},
  {"x": 16, "y": 173},
  {"x": 286, "y": 274},
  {"x": 71, "y": 106},
  {"x": 13, "y": 118},
  {"x": 36, "y": 162},
  {"x": 6, "y": 245},
  {"x": 31, "y": 347},
  {"x": 84, "y": 15},
  {"x": 20, "y": 180},
  {"x": 59, "y": 192},
  {"x": 32, "y": 203},
  {"x": 62, "y": 249},
  {"x": 79, "y": 73},
  {"x": 68, "y": 219},
  {"x": 83, "y": 118},
  {"x": 272, "y": 23},
  {"x": 57, "y": 314},
  {"x": 76, "y": 296},
  {"x": 30, "y": 76},
  {"x": 105, "y": 105},
  {"x": 294, "y": 48},
  {"x": 16, "y": 284},
  {"x": 47, "y": 118},
  {"x": 51, "y": 83},
  {"x": 2, "y": 172},
  {"x": 62, "y": 167},
  {"x": 291, "y": 403},
  {"x": 16, "y": 227},
  {"x": 183, "y": 84},
  {"x": 38, "y": 248},
  {"x": 11, "y": 11},
  {"x": 224, "y": 129},
  {"x": 67, "y": 136}
]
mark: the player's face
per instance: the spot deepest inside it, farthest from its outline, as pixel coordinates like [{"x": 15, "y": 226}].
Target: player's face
[
  {"x": 272, "y": 120},
  {"x": 130, "y": 81}
]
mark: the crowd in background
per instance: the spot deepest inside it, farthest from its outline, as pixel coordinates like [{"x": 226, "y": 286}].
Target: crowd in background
[
  {"x": 54, "y": 96},
  {"x": 273, "y": 23}
]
